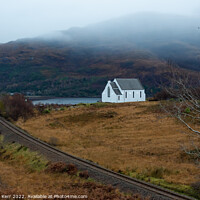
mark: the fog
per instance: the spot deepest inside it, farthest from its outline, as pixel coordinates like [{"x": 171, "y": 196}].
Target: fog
[{"x": 24, "y": 19}]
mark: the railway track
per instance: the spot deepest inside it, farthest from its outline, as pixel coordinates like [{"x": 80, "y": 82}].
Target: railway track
[{"x": 101, "y": 174}]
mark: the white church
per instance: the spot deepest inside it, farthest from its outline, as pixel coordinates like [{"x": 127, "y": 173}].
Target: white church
[{"x": 122, "y": 90}]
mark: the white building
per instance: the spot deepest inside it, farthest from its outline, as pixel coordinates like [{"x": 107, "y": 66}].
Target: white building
[{"x": 123, "y": 90}]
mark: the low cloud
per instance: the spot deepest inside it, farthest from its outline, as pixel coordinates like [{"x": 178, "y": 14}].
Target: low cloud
[{"x": 31, "y": 18}]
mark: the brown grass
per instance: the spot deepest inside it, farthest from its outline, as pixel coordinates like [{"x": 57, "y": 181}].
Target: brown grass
[
  {"x": 56, "y": 179},
  {"x": 131, "y": 137},
  {"x": 21, "y": 182}
]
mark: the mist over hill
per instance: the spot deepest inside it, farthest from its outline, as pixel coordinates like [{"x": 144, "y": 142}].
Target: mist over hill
[
  {"x": 79, "y": 61},
  {"x": 143, "y": 29}
]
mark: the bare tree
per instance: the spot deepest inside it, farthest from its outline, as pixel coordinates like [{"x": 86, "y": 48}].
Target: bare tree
[
  {"x": 16, "y": 106},
  {"x": 186, "y": 106}
]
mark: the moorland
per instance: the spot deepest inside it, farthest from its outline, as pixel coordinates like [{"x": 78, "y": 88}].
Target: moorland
[{"x": 136, "y": 139}]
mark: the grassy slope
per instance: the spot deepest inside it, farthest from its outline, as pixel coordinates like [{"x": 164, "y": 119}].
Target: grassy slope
[
  {"x": 22, "y": 172},
  {"x": 133, "y": 138}
]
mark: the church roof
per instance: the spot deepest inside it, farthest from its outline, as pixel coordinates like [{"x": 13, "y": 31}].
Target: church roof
[
  {"x": 129, "y": 84},
  {"x": 115, "y": 88}
]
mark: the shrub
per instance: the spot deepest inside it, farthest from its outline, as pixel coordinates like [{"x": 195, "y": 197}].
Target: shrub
[
  {"x": 16, "y": 106},
  {"x": 62, "y": 108},
  {"x": 84, "y": 174},
  {"x": 57, "y": 167},
  {"x": 72, "y": 169},
  {"x": 61, "y": 167},
  {"x": 46, "y": 111},
  {"x": 187, "y": 110},
  {"x": 40, "y": 108}
]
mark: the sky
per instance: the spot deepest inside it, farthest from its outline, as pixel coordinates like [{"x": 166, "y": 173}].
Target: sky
[{"x": 31, "y": 18}]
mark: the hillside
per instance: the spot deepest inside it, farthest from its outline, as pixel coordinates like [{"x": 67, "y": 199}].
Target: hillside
[{"x": 79, "y": 61}]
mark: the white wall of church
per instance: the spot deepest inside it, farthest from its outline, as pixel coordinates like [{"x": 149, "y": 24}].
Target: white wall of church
[{"x": 127, "y": 95}]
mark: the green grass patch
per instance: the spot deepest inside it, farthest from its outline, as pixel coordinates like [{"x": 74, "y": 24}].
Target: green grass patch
[
  {"x": 100, "y": 104},
  {"x": 16, "y": 153},
  {"x": 1, "y": 139},
  {"x": 96, "y": 105},
  {"x": 156, "y": 177},
  {"x": 46, "y": 111},
  {"x": 62, "y": 108}
]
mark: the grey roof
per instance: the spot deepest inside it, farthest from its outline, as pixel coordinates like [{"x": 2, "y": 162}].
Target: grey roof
[
  {"x": 115, "y": 88},
  {"x": 129, "y": 84}
]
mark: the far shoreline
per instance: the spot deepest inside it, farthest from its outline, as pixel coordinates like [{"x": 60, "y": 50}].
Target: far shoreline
[{"x": 37, "y": 98}]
